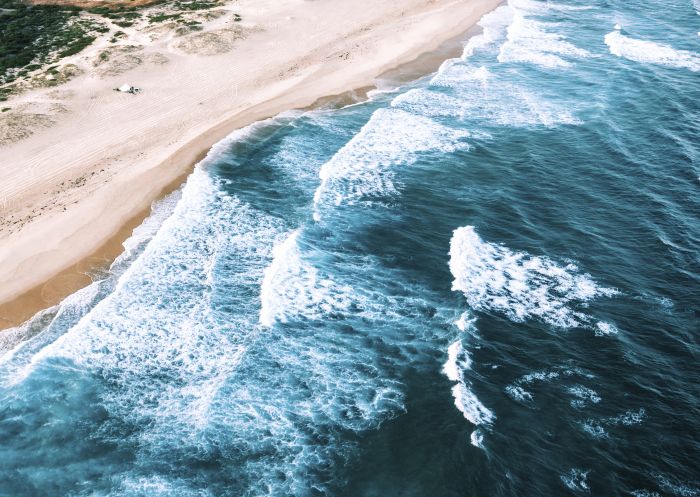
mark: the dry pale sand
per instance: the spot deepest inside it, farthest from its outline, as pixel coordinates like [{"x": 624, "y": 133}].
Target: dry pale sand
[{"x": 87, "y": 162}]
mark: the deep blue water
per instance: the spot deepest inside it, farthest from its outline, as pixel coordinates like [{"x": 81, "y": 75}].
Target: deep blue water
[{"x": 484, "y": 283}]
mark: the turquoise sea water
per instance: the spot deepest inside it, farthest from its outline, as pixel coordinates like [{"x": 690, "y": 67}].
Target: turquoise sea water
[{"x": 484, "y": 283}]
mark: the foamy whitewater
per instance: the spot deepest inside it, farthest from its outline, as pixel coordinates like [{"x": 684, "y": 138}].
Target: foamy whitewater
[{"x": 485, "y": 282}]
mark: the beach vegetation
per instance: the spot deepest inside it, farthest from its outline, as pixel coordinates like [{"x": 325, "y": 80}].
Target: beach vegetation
[
  {"x": 122, "y": 16},
  {"x": 32, "y": 36},
  {"x": 76, "y": 46},
  {"x": 117, "y": 36},
  {"x": 196, "y": 5},
  {"x": 114, "y": 12},
  {"x": 163, "y": 17}
]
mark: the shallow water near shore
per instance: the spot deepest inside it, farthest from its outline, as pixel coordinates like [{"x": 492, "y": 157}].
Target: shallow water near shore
[{"x": 484, "y": 282}]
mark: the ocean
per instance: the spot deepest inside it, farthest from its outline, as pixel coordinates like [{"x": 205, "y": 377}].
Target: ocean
[{"x": 485, "y": 282}]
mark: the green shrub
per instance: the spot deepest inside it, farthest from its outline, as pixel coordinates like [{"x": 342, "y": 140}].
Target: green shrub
[
  {"x": 195, "y": 5},
  {"x": 77, "y": 46},
  {"x": 100, "y": 10},
  {"x": 163, "y": 17}
]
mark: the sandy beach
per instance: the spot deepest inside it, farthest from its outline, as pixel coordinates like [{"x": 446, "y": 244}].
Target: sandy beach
[{"x": 85, "y": 162}]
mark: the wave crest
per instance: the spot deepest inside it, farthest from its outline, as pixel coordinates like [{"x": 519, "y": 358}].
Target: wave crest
[
  {"x": 649, "y": 52},
  {"x": 521, "y": 286}
]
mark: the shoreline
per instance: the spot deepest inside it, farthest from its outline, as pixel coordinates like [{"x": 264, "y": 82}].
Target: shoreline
[{"x": 25, "y": 299}]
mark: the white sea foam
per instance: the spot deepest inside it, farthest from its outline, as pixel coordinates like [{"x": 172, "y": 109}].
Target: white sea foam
[
  {"x": 518, "y": 392},
  {"x": 465, "y": 322},
  {"x": 297, "y": 286},
  {"x": 629, "y": 418},
  {"x": 649, "y": 52},
  {"x": 458, "y": 362},
  {"x": 544, "y": 7},
  {"x": 583, "y": 396},
  {"x": 292, "y": 287},
  {"x": 672, "y": 485},
  {"x": 495, "y": 278},
  {"x": 528, "y": 39},
  {"x": 603, "y": 329},
  {"x": 362, "y": 169},
  {"x": 576, "y": 480},
  {"x": 29, "y": 338},
  {"x": 128, "y": 485},
  {"x": 471, "y": 406},
  {"x": 161, "y": 210},
  {"x": 477, "y": 95},
  {"x": 539, "y": 376},
  {"x": 538, "y": 43},
  {"x": 493, "y": 28},
  {"x": 477, "y": 438},
  {"x": 596, "y": 427}
]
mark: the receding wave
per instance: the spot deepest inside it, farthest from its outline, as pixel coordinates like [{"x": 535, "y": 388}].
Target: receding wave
[
  {"x": 481, "y": 96},
  {"x": 534, "y": 41}
]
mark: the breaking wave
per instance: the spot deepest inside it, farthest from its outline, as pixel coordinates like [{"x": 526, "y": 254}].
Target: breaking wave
[
  {"x": 363, "y": 169},
  {"x": 649, "y": 52},
  {"x": 495, "y": 278},
  {"x": 455, "y": 368}
]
